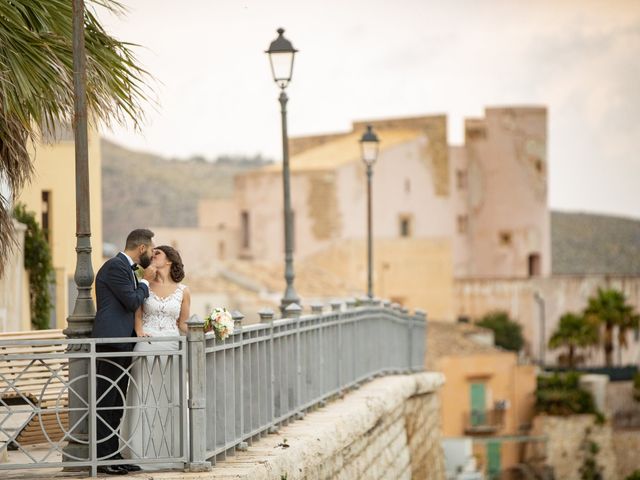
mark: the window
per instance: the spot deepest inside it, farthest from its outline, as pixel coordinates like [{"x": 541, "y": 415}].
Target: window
[
  {"x": 463, "y": 224},
  {"x": 244, "y": 225},
  {"x": 505, "y": 238},
  {"x": 46, "y": 215},
  {"x": 461, "y": 179},
  {"x": 539, "y": 165},
  {"x": 534, "y": 265},
  {"x": 407, "y": 185},
  {"x": 220, "y": 250},
  {"x": 405, "y": 226}
]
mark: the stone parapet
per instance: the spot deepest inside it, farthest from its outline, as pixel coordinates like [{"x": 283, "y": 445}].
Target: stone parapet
[
  {"x": 565, "y": 450},
  {"x": 388, "y": 428}
]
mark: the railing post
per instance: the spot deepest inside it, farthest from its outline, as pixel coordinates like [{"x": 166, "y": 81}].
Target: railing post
[
  {"x": 266, "y": 316},
  {"x": 237, "y": 327},
  {"x": 197, "y": 396},
  {"x": 409, "y": 319},
  {"x": 316, "y": 308},
  {"x": 421, "y": 316},
  {"x": 294, "y": 310},
  {"x": 336, "y": 306}
]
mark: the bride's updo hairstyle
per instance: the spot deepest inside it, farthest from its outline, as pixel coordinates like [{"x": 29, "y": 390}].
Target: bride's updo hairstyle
[{"x": 177, "y": 268}]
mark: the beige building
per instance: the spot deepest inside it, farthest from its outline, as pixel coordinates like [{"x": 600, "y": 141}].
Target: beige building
[
  {"x": 15, "y": 313},
  {"x": 488, "y": 395},
  {"x": 412, "y": 223},
  {"x": 439, "y": 212},
  {"x": 51, "y": 195}
]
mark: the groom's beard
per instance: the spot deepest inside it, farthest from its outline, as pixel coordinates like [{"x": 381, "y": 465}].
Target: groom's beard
[{"x": 145, "y": 260}]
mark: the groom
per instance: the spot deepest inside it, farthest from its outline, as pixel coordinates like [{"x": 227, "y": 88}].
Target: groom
[{"x": 118, "y": 295}]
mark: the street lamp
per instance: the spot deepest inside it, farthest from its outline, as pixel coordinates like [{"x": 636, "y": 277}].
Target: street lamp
[
  {"x": 80, "y": 322},
  {"x": 281, "y": 55},
  {"x": 369, "y": 146},
  {"x": 539, "y": 299}
]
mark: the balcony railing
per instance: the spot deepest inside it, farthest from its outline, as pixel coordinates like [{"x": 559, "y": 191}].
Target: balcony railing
[
  {"x": 240, "y": 389},
  {"x": 483, "y": 422},
  {"x": 627, "y": 420}
]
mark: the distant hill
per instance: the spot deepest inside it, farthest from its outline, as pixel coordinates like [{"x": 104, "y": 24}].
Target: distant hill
[
  {"x": 141, "y": 189},
  {"x": 587, "y": 243}
]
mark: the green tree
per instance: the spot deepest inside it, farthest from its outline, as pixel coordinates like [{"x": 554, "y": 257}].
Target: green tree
[
  {"x": 507, "y": 333},
  {"x": 610, "y": 311},
  {"x": 38, "y": 263},
  {"x": 574, "y": 331},
  {"x": 36, "y": 83}
]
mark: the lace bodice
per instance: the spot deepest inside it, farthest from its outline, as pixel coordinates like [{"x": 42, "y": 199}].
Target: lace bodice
[{"x": 160, "y": 314}]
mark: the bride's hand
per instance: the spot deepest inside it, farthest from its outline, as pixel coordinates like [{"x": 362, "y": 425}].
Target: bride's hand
[{"x": 142, "y": 334}]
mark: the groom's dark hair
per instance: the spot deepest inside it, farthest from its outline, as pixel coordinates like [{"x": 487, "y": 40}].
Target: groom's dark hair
[{"x": 139, "y": 236}]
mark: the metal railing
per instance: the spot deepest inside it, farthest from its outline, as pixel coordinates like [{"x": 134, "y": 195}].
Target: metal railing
[
  {"x": 206, "y": 397},
  {"x": 42, "y": 409},
  {"x": 483, "y": 421},
  {"x": 626, "y": 420}
]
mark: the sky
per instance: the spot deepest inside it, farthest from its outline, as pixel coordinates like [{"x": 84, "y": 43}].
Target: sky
[{"x": 213, "y": 93}]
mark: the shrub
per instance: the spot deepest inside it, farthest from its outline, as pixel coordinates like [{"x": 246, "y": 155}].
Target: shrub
[
  {"x": 634, "y": 476},
  {"x": 39, "y": 265},
  {"x": 507, "y": 333},
  {"x": 636, "y": 387},
  {"x": 561, "y": 394}
]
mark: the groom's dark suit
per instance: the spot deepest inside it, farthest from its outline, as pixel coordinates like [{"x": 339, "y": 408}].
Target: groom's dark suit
[{"x": 118, "y": 296}]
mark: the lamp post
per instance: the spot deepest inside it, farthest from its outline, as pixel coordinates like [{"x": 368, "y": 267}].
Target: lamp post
[
  {"x": 543, "y": 334},
  {"x": 281, "y": 55},
  {"x": 80, "y": 322},
  {"x": 369, "y": 146}
]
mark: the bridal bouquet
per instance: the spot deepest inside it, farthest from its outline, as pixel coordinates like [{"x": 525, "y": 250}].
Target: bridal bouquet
[{"x": 220, "y": 322}]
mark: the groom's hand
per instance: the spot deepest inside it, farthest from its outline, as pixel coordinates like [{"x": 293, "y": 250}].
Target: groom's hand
[{"x": 149, "y": 273}]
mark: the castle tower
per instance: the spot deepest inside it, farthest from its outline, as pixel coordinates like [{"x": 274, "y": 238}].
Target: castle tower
[{"x": 500, "y": 195}]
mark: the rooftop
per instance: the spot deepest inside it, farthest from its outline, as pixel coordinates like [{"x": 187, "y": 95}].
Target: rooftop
[
  {"x": 341, "y": 151},
  {"x": 455, "y": 338}
]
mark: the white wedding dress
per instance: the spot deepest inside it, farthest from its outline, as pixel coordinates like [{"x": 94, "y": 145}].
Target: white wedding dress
[{"x": 152, "y": 424}]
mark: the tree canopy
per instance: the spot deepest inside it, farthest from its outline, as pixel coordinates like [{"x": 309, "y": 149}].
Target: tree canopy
[
  {"x": 574, "y": 331},
  {"x": 507, "y": 333},
  {"x": 610, "y": 311},
  {"x": 36, "y": 83}
]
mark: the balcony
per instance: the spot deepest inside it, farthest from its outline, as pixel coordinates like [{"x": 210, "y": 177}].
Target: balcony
[{"x": 483, "y": 422}]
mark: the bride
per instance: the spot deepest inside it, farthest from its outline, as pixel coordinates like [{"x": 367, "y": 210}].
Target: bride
[{"x": 152, "y": 425}]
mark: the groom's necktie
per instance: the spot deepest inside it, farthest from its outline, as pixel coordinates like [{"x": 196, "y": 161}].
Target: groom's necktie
[{"x": 134, "y": 267}]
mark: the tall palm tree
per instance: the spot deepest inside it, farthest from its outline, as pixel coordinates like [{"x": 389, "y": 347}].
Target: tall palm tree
[
  {"x": 574, "y": 331},
  {"x": 609, "y": 308},
  {"x": 36, "y": 84}
]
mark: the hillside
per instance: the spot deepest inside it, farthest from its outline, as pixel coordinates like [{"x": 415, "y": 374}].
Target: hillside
[
  {"x": 588, "y": 243},
  {"x": 141, "y": 189}
]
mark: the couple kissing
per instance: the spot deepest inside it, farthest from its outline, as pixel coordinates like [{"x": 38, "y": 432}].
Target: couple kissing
[{"x": 156, "y": 305}]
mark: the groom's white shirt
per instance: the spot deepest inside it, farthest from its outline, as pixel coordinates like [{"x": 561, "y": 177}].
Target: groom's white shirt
[{"x": 131, "y": 262}]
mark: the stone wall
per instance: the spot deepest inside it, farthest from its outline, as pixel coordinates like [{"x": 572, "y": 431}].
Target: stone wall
[
  {"x": 565, "y": 436},
  {"x": 626, "y": 444},
  {"x": 620, "y": 397},
  {"x": 387, "y": 429},
  {"x": 560, "y": 294}
]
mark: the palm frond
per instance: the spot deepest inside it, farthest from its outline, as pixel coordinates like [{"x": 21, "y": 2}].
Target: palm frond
[{"x": 36, "y": 82}]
